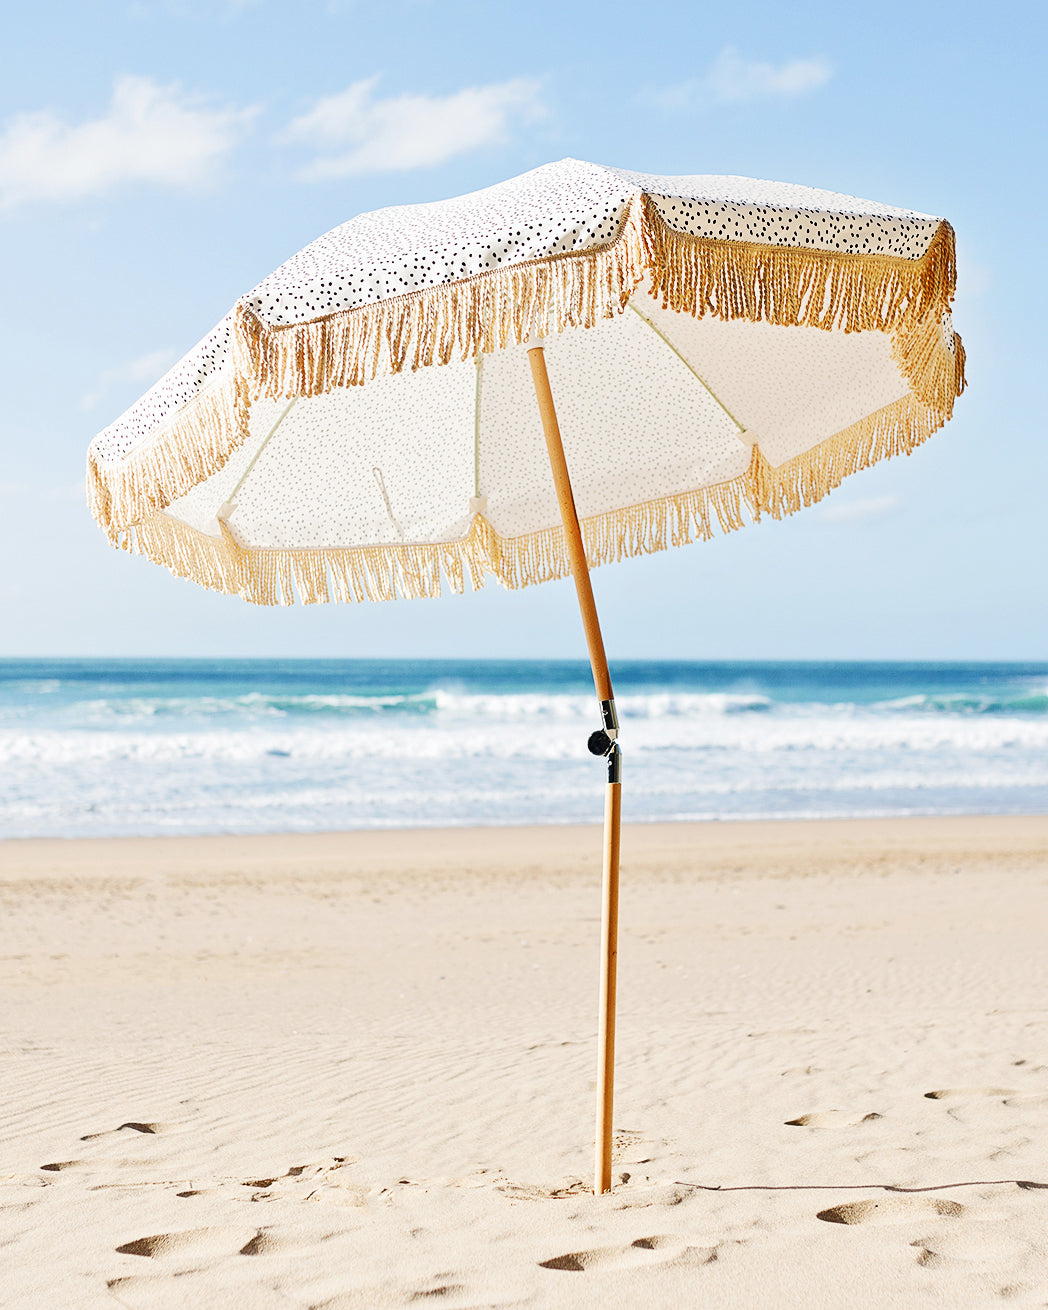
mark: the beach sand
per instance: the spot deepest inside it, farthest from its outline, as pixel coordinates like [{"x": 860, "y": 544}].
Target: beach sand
[{"x": 356, "y": 1070}]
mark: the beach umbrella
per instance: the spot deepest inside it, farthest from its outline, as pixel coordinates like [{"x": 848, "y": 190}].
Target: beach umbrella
[{"x": 376, "y": 418}]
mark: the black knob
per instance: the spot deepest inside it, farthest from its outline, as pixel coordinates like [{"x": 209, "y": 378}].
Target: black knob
[{"x": 599, "y": 742}]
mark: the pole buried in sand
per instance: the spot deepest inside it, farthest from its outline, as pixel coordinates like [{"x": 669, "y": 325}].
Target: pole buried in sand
[{"x": 603, "y": 743}]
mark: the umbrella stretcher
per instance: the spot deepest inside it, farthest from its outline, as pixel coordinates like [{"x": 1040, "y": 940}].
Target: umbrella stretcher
[{"x": 376, "y": 419}]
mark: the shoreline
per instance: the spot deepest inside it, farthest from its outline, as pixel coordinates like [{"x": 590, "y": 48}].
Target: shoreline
[{"x": 705, "y": 846}]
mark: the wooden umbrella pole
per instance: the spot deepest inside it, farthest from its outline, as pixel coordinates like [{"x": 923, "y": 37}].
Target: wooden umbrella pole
[{"x": 606, "y": 745}]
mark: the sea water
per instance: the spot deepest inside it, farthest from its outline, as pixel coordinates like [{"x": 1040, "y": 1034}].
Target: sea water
[{"x": 95, "y": 747}]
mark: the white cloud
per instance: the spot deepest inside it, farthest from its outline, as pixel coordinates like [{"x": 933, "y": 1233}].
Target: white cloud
[
  {"x": 356, "y": 133},
  {"x": 145, "y": 370},
  {"x": 733, "y": 79},
  {"x": 150, "y": 133},
  {"x": 869, "y": 510}
]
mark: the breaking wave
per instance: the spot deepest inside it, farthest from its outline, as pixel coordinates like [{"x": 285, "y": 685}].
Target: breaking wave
[{"x": 267, "y": 746}]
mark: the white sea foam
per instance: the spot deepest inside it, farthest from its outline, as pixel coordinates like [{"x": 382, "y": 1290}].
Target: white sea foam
[
  {"x": 520, "y": 734},
  {"x": 215, "y": 756}
]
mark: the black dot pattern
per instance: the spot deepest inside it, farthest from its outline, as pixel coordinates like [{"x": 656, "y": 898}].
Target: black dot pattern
[
  {"x": 552, "y": 210},
  {"x": 179, "y": 385},
  {"x": 783, "y": 214}
]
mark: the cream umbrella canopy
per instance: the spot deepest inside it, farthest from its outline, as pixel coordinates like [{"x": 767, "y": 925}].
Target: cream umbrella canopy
[{"x": 376, "y": 418}]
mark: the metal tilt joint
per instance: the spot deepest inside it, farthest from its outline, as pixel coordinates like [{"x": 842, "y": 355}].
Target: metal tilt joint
[{"x": 604, "y": 740}]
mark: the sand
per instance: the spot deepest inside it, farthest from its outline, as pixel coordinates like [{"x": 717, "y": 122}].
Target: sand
[{"x": 356, "y": 1070}]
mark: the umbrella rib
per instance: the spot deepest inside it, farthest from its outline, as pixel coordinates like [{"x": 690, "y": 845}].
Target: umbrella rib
[
  {"x": 701, "y": 380},
  {"x": 265, "y": 442}
]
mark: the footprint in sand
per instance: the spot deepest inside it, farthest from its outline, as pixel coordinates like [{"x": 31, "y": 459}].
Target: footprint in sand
[
  {"x": 192, "y": 1242},
  {"x": 891, "y": 1210},
  {"x": 59, "y": 1166},
  {"x": 969, "y": 1093},
  {"x": 127, "y": 1133},
  {"x": 195, "y": 1242},
  {"x": 644, "y": 1251},
  {"x": 132, "y": 1126},
  {"x": 833, "y": 1119},
  {"x": 270, "y": 1241}
]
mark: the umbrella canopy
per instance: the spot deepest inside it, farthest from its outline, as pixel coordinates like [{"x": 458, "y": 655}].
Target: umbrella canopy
[
  {"x": 718, "y": 345},
  {"x": 307, "y": 444}
]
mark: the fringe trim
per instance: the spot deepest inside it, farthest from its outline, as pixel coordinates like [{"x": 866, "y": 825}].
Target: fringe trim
[
  {"x": 460, "y": 319},
  {"x": 413, "y": 571},
  {"x": 696, "y": 275},
  {"x": 827, "y": 289},
  {"x": 193, "y": 446},
  {"x": 933, "y": 367},
  {"x": 897, "y": 429},
  {"x": 796, "y": 286}
]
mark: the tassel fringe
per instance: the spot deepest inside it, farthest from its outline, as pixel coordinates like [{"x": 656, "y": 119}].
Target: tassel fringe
[
  {"x": 897, "y": 429},
  {"x": 193, "y": 446},
  {"x": 908, "y": 299},
  {"x": 931, "y": 357},
  {"x": 457, "y": 320},
  {"x": 824, "y": 289},
  {"x": 791, "y": 286},
  {"x": 414, "y": 571}
]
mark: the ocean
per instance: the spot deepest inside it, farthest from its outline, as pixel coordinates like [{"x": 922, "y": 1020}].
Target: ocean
[{"x": 139, "y": 747}]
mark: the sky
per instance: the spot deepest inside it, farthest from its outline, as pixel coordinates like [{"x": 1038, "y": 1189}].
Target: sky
[{"x": 159, "y": 157}]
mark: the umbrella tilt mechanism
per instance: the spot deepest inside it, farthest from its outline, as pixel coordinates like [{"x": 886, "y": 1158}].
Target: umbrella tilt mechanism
[{"x": 602, "y": 742}]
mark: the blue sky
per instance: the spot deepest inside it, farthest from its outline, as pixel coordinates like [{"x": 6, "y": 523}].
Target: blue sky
[{"x": 158, "y": 159}]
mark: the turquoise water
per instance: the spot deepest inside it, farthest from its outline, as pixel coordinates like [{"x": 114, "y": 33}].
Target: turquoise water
[{"x": 91, "y": 747}]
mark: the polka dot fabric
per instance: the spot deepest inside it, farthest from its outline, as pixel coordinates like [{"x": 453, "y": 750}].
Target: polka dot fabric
[
  {"x": 570, "y": 206},
  {"x": 552, "y": 210},
  {"x": 781, "y": 214},
  {"x": 192, "y": 374}
]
